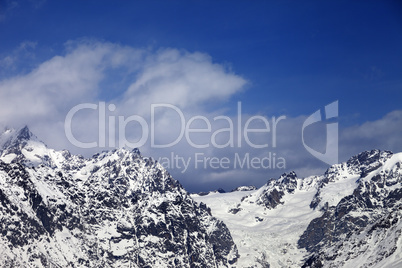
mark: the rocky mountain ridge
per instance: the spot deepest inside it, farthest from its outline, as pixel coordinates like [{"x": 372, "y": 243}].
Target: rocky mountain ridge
[
  {"x": 121, "y": 209},
  {"x": 116, "y": 209},
  {"x": 348, "y": 217}
]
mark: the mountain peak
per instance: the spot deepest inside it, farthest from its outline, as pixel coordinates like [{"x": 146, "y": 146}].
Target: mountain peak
[
  {"x": 368, "y": 161},
  {"x": 24, "y": 133},
  {"x": 114, "y": 209},
  {"x": 11, "y": 136},
  {"x": 22, "y": 145}
]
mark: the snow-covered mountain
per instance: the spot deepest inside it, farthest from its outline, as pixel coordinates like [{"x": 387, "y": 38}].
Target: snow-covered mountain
[
  {"x": 116, "y": 209},
  {"x": 351, "y": 216},
  {"x": 121, "y": 209}
]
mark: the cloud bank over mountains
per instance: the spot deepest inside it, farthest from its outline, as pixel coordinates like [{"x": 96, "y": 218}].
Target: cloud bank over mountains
[{"x": 129, "y": 80}]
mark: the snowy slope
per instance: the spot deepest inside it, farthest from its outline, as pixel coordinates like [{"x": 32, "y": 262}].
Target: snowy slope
[
  {"x": 364, "y": 228},
  {"x": 265, "y": 236},
  {"x": 348, "y": 217}
]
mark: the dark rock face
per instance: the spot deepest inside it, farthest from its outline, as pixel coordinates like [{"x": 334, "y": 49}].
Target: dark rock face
[
  {"x": 276, "y": 189},
  {"x": 359, "y": 165},
  {"x": 244, "y": 188},
  {"x": 117, "y": 209},
  {"x": 368, "y": 161},
  {"x": 369, "y": 217},
  {"x": 219, "y": 190}
]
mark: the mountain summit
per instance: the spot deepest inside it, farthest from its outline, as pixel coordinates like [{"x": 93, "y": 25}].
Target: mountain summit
[
  {"x": 22, "y": 146},
  {"x": 116, "y": 209}
]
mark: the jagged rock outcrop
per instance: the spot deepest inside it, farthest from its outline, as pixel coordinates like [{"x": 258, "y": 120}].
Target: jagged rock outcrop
[
  {"x": 244, "y": 188},
  {"x": 116, "y": 209},
  {"x": 365, "y": 225},
  {"x": 351, "y": 216},
  {"x": 271, "y": 194}
]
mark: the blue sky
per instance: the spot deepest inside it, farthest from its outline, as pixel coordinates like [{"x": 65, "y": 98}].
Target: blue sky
[{"x": 294, "y": 57}]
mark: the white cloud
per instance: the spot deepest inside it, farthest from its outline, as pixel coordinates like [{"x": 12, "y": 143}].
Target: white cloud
[
  {"x": 46, "y": 94},
  {"x": 51, "y": 89},
  {"x": 384, "y": 133},
  {"x": 183, "y": 79},
  {"x": 11, "y": 61}
]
